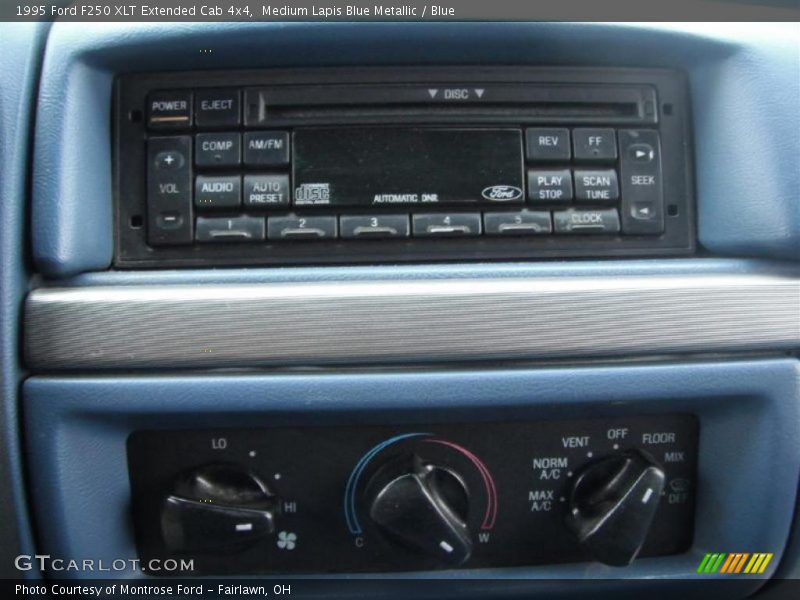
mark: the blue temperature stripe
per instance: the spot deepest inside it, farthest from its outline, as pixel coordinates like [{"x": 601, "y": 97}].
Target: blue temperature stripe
[{"x": 352, "y": 483}]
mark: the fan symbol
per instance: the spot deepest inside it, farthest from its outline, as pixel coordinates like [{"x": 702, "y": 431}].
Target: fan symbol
[{"x": 287, "y": 540}]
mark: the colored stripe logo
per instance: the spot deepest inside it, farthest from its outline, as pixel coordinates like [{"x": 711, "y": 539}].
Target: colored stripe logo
[{"x": 735, "y": 563}]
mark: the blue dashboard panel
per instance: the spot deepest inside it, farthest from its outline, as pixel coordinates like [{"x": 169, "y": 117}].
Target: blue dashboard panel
[
  {"x": 744, "y": 99},
  {"x": 749, "y": 413},
  {"x": 21, "y": 50}
]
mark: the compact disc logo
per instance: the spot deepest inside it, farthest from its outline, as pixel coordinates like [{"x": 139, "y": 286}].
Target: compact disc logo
[{"x": 502, "y": 193}]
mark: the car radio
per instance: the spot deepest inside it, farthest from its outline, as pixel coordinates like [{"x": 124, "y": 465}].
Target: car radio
[{"x": 371, "y": 165}]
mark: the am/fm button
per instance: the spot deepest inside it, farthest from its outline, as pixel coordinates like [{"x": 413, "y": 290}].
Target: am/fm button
[{"x": 266, "y": 148}]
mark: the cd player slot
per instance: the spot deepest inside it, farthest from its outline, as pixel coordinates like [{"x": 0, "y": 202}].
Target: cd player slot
[
  {"x": 490, "y": 112},
  {"x": 288, "y": 105}
]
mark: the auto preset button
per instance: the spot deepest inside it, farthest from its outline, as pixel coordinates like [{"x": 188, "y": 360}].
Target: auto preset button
[
  {"x": 549, "y": 186},
  {"x": 517, "y": 223},
  {"x": 447, "y": 224},
  {"x": 374, "y": 226},
  {"x": 596, "y": 186},
  {"x": 576, "y": 221},
  {"x": 594, "y": 144},
  {"x": 169, "y": 109},
  {"x": 266, "y": 191}
]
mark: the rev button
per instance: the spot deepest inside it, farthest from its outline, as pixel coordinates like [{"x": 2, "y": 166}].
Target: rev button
[{"x": 547, "y": 143}]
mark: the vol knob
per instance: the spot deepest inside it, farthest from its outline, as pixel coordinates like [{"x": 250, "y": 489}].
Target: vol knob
[
  {"x": 422, "y": 507},
  {"x": 217, "y": 508},
  {"x": 612, "y": 505}
]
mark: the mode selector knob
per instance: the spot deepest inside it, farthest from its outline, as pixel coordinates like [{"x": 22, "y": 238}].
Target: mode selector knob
[
  {"x": 217, "y": 508},
  {"x": 612, "y": 505},
  {"x": 423, "y": 507}
]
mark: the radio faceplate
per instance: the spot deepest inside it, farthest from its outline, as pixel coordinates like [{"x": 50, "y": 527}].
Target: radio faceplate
[{"x": 401, "y": 164}]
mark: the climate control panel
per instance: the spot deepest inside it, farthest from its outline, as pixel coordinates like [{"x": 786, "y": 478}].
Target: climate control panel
[{"x": 378, "y": 498}]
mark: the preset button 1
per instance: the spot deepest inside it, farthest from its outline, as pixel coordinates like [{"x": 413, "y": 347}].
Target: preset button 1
[{"x": 230, "y": 229}]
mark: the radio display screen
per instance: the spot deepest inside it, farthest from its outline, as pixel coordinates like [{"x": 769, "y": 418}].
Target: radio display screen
[{"x": 389, "y": 166}]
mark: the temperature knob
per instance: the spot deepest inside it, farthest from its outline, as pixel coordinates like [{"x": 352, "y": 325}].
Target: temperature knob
[
  {"x": 217, "y": 508},
  {"x": 612, "y": 505},
  {"x": 423, "y": 507}
]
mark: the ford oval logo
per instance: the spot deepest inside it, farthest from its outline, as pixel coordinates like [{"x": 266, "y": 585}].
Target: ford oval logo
[{"x": 502, "y": 193}]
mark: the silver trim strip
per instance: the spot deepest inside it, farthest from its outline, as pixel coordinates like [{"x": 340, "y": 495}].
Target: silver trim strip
[{"x": 207, "y": 326}]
